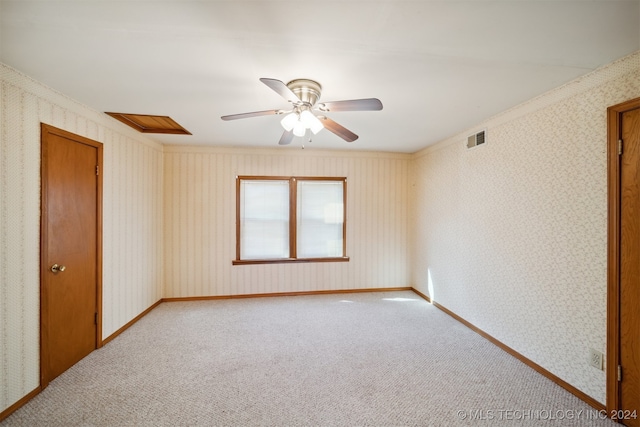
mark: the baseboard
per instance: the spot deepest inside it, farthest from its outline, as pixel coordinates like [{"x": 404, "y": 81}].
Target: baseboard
[
  {"x": 27, "y": 397},
  {"x": 130, "y": 323},
  {"x": 424, "y": 296},
  {"x": 286, "y": 294},
  {"x": 559, "y": 381}
]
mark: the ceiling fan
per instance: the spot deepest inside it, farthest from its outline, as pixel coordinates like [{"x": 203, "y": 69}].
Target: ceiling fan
[{"x": 304, "y": 94}]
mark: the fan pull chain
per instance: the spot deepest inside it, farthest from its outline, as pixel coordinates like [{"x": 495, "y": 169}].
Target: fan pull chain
[{"x": 308, "y": 141}]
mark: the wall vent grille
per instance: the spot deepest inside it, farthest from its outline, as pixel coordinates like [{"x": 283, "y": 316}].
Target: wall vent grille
[{"x": 476, "y": 139}]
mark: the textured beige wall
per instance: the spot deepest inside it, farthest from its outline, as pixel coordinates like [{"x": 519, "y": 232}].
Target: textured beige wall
[
  {"x": 200, "y": 221},
  {"x": 132, "y": 221},
  {"x": 512, "y": 237}
]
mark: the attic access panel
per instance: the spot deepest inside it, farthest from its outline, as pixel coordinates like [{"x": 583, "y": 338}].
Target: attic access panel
[{"x": 146, "y": 123}]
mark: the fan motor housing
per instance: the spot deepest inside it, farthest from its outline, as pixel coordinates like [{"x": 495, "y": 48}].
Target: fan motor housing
[{"x": 307, "y": 90}]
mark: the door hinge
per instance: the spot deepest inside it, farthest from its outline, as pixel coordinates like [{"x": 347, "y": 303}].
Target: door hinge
[
  {"x": 619, "y": 373},
  {"x": 619, "y": 147},
  {"x": 95, "y": 318},
  {"x": 97, "y": 170}
]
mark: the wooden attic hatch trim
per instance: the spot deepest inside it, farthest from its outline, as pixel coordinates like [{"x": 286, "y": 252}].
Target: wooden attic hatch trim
[{"x": 147, "y": 123}]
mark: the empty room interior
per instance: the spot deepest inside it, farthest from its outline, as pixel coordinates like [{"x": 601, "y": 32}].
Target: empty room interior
[{"x": 452, "y": 164}]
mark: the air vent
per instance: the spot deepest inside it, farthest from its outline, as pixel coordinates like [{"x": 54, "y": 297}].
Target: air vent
[{"x": 476, "y": 139}]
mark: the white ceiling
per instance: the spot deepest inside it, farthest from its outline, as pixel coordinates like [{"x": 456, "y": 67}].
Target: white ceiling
[{"x": 439, "y": 67}]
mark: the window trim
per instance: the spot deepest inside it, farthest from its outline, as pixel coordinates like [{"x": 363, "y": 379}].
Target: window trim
[{"x": 293, "y": 220}]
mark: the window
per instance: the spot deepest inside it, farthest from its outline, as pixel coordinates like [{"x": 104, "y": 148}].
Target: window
[{"x": 290, "y": 219}]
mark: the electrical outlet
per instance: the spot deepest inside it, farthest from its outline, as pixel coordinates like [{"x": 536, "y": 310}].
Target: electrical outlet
[{"x": 595, "y": 359}]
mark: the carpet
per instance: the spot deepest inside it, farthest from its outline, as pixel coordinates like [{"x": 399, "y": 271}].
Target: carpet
[{"x": 361, "y": 359}]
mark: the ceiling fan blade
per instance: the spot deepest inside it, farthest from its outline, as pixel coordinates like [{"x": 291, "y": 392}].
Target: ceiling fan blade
[
  {"x": 252, "y": 114},
  {"x": 339, "y": 130},
  {"x": 368, "y": 104},
  {"x": 286, "y": 138},
  {"x": 281, "y": 89}
]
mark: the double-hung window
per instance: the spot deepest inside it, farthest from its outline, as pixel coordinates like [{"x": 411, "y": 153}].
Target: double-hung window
[{"x": 290, "y": 219}]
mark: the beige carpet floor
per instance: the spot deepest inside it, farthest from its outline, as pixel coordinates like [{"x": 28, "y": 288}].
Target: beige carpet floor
[{"x": 368, "y": 359}]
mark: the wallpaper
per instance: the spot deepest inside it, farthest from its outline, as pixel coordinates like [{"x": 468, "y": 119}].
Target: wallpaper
[
  {"x": 511, "y": 236},
  {"x": 199, "y": 217},
  {"x": 132, "y": 232}
]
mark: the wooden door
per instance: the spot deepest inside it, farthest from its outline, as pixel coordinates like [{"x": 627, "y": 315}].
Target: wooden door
[
  {"x": 623, "y": 376},
  {"x": 70, "y": 240}
]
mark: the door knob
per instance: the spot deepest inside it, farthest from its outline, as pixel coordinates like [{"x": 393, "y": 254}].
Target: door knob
[{"x": 58, "y": 268}]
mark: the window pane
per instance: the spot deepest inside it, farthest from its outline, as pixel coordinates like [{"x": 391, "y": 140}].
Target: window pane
[
  {"x": 264, "y": 219},
  {"x": 320, "y": 219}
]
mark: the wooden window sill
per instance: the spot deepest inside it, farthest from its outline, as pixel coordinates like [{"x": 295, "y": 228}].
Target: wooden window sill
[{"x": 287, "y": 260}]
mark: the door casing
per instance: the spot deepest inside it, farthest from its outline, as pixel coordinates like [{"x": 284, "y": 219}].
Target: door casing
[{"x": 614, "y": 118}]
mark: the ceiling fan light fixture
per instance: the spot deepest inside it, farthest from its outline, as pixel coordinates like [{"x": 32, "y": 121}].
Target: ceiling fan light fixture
[
  {"x": 317, "y": 126},
  {"x": 310, "y": 121},
  {"x": 289, "y": 121},
  {"x": 299, "y": 129}
]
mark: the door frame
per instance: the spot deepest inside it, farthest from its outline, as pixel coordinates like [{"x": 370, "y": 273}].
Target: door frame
[
  {"x": 45, "y": 131},
  {"x": 614, "y": 115}
]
